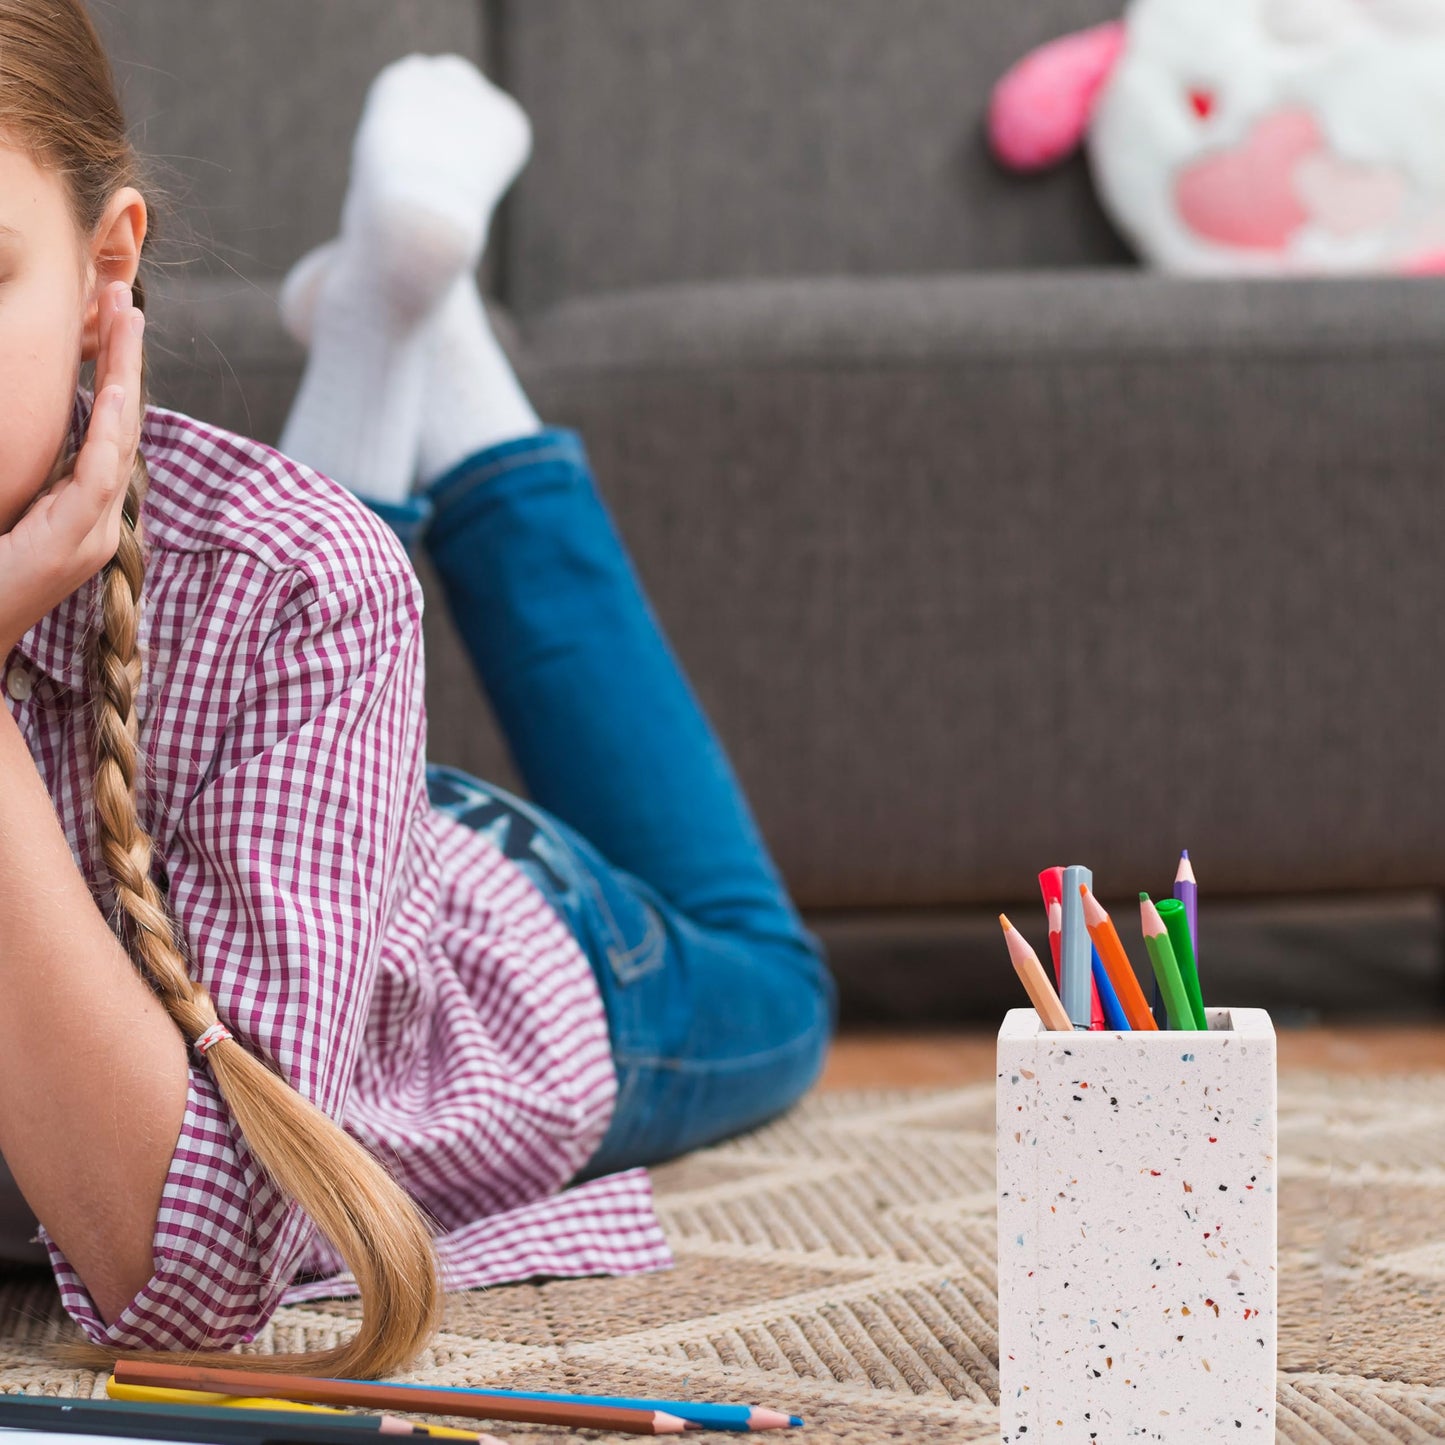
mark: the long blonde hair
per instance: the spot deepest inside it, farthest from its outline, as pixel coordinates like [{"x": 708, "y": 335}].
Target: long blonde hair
[{"x": 58, "y": 102}]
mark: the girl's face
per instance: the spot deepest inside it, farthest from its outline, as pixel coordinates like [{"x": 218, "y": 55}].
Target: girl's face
[
  {"x": 49, "y": 282},
  {"x": 40, "y": 327}
]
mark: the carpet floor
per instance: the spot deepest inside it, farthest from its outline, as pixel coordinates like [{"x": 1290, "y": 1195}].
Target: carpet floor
[{"x": 839, "y": 1264}]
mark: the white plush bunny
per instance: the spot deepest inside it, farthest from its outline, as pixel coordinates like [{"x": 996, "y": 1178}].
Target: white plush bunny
[{"x": 1265, "y": 137}]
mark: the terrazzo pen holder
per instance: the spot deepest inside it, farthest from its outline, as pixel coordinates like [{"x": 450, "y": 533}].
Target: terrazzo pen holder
[{"x": 1137, "y": 1255}]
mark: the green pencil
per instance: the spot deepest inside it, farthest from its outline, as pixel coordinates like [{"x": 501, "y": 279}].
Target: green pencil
[
  {"x": 1166, "y": 968},
  {"x": 1175, "y": 913}
]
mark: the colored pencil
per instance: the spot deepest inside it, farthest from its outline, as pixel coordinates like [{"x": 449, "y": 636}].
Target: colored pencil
[
  {"x": 1074, "y": 946},
  {"x": 1166, "y": 966},
  {"x": 1116, "y": 963},
  {"x": 479, "y": 1406},
  {"x": 1035, "y": 980},
  {"x": 712, "y": 1417},
  {"x": 1187, "y": 892},
  {"x": 392, "y": 1424},
  {"x": 214, "y": 1426},
  {"x": 1172, "y": 911},
  {"x": 1114, "y": 1017},
  {"x": 1051, "y": 884}
]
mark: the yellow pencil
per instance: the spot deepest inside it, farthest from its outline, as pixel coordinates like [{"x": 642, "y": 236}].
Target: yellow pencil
[
  {"x": 1035, "y": 980},
  {"x": 159, "y": 1396}
]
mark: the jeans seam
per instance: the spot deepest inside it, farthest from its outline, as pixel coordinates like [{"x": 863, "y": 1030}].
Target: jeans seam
[
  {"x": 654, "y": 958},
  {"x": 619, "y": 956}
]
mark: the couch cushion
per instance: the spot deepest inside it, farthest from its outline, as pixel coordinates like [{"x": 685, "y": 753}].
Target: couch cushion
[
  {"x": 979, "y": 574},
  {"x": 773, "y": 137}
]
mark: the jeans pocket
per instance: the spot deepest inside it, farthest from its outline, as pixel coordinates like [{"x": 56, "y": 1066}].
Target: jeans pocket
[{"x": 629, "y": 925}]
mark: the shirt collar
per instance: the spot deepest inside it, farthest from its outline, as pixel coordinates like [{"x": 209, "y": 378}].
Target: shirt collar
[{"x": 56, "y": 643}]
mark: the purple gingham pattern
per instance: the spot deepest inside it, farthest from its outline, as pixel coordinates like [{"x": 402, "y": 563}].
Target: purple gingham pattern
[{"x": 404, "y": 975}]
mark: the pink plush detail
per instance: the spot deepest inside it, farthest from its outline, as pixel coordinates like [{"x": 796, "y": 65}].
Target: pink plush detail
[
  {"x": 1429, "y": 265},
  {"x": 1347, "y": 198},
  {"x": 1040, "y": 110},
  {"x": 1247, "y": 197}
]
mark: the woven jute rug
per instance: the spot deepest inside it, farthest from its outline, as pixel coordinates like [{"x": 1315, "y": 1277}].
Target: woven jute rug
[{"x": 840, "y": 1264}]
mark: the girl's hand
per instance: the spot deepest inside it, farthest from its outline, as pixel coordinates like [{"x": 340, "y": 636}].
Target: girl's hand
[{"x": 72, "y": 529}]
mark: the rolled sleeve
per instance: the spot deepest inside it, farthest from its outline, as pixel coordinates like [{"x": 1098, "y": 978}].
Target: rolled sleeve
[{"x": 283, "y": 872}]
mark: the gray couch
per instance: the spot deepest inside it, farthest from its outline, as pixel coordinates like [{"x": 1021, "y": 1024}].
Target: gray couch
[{"x": 984, "y": 549}]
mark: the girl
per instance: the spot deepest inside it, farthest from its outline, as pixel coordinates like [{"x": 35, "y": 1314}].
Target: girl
[{"x": 288, "y": 1013}]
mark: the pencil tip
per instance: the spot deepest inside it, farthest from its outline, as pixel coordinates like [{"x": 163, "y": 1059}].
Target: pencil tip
[
  {"x": 761, "y": 1419},
  {"x": 1003, "y": 919},
  {"x": 796, "y": 1420},
  {"x": 1143, "y": 898},
  {"x": 1185, "y": 853}
]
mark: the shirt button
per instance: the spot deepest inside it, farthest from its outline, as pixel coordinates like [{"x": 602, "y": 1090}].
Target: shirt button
[{"x": 17, "y": 684}]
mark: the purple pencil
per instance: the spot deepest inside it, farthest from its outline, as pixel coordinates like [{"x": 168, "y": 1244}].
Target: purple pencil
[{"x": 1187, "y": 893}]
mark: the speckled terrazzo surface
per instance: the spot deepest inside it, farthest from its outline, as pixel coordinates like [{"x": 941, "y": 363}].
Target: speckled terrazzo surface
[
  {"x": 840, "y": 1263},
  {"x": 1137, "y": 1200}
]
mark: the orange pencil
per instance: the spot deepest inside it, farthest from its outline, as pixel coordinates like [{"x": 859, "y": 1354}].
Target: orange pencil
[
  {"x": 1116, "y": 963},
  {"x": 1035, "y": 980}
]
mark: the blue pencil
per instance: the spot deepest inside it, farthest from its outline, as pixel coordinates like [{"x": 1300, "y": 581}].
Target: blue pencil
[
  {"x": 1114, "y": 1015},
  {"x": 711, "y": 1417},
  {"x": 1075, "y": 995}
]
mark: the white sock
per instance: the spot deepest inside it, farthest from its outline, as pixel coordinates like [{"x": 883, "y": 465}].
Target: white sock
[
  {"x": 436, "y": 146},
  {"x": 299, "y": 291},
  {"x": 471, "y": 395}
]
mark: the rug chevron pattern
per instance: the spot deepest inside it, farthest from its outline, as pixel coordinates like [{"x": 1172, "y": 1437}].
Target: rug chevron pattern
[{"x": 840, "y": 1263}]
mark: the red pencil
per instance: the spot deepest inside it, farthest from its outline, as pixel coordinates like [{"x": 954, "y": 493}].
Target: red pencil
[{"x": 318, "y": 1390}]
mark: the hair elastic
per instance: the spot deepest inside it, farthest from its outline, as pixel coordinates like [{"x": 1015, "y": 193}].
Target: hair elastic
[{"x": 212, "y": 1035}]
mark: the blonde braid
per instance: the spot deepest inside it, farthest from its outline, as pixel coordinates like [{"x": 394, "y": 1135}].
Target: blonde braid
[{"x": 381, "y": 1233}]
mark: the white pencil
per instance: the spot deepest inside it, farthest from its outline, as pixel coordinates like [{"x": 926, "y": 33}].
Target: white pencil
[{"x": 1034, "y": 979}]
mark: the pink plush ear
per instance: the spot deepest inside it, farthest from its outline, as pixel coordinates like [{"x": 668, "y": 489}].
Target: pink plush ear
[{"x": 1040, "y": 109}]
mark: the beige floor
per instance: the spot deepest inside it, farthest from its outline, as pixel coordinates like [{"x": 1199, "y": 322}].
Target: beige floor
[{"x": 881, "y": 1060}]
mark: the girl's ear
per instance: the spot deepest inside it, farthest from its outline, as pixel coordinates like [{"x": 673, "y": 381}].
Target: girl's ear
[
  {"x": 1040, "y": 110},
  {"x": 115, "y": 252}
]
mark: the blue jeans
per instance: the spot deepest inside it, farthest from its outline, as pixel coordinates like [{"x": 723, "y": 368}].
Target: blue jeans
[{"x": 720, "y": 1003}]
